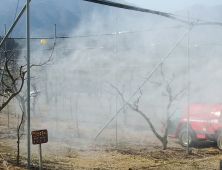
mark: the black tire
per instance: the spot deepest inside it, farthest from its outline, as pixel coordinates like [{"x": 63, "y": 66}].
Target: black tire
[
  {"x": 183, "y": 137},
  {"x": 219, "y": 141}
]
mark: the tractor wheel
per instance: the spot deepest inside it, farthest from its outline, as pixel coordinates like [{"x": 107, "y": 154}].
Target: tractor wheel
[
  {"x": 183, "y": 137},
  {"x": 219, "y": 141}
]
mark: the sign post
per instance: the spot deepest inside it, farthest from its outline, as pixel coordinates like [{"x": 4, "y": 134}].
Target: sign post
[
  {"x": 39, "y": 137},
  {"x": 40, "y": 157}
]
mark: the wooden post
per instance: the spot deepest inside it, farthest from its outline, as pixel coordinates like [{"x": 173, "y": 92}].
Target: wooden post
[{"x": 40, "y": 157}]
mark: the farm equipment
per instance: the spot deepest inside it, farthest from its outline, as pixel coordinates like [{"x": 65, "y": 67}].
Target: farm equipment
[{"x": 205, "y": 123}]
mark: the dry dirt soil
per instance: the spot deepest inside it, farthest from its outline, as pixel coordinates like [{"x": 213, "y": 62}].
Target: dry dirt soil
[{"x": 130, "y": 153}]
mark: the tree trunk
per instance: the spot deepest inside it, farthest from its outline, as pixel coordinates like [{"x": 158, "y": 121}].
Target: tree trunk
[
  {"x": 162, "y": 139},
  {"x": 18, "y": 137},
  {"x": 18, "y": 143},
  {"x": 24, "y": 118},
  {"x": 164, "y": 143}
]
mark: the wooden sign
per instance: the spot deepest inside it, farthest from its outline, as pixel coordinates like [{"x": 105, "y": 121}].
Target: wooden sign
[{"x": 39, "y": 136}]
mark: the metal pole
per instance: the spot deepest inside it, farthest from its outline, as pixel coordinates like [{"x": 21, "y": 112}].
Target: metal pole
[
  {"x": 46, "y": 77},
  {"x": 40, "y": 157},
  {"x": 116, "y": 77},
  {"x": 28, "y": 84},
  {"x": 5, "y": 59},
  {"x": 6, "y": 39},
  {"x": 3, "y": 72},
  {"x": 13, "y": 25},
  {"x": 188, "y": 86},
  {"x": 142, "y": 84},
  {"x": 56, "y": 85}
]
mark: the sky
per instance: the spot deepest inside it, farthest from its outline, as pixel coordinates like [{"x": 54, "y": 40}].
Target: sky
[{"x": 172, "y": 5}]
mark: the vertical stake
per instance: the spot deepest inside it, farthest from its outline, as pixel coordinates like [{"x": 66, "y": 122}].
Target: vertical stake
[
  {"x": 46, "y": 75},
  {"x": 6, "y": 50},
  {"x": 116, "y": 77},
  {"x": 56, "y": 85},
  {"x": 6, "y": 39},
  {"x": 188, "y": 79},
  {"x": 28, "y": 83},
  {"x": 5, "y": 60}
]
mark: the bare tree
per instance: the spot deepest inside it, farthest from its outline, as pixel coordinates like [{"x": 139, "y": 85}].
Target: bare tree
[
  {"x": 171, "y": 98},
  {"x": 19, "y": 135},
  {"x": 12, "y": 81},
  {"x": 14, "y": 77}
]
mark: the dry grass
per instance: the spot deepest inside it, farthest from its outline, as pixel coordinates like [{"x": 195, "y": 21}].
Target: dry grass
[{"x": 136, "y": 149}]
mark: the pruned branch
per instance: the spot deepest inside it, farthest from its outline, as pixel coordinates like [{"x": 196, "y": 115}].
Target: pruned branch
[
  {"x": 138, "y": 111},
  {"x": 156, "y": 83}
]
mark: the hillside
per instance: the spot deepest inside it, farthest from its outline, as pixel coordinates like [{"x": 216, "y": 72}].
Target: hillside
[{"x": 72, "y": 14}]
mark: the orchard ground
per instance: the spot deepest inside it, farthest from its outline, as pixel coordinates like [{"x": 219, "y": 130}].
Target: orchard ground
[{"x": 136, "y": 148}]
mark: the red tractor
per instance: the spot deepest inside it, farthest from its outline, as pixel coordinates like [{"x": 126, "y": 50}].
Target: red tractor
[{"x": 205, "y": 123}]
